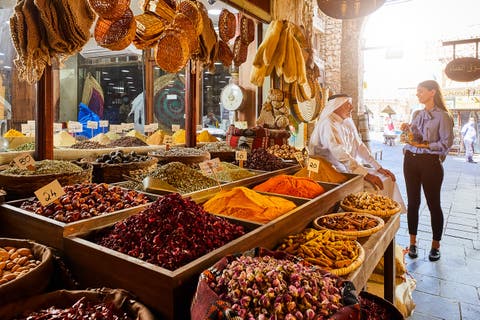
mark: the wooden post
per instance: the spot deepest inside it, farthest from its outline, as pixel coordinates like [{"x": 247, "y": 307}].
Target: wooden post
[
  {"x": 44, "y": 117},
  {"x": 190, "y": 103}
]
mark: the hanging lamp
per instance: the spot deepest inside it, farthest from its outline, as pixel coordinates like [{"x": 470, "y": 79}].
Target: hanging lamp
[{"x": 349, "y": 9}]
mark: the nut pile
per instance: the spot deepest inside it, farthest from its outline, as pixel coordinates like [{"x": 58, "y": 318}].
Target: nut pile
[
  {"x": 119, "y": 156},
  {"x": 217, "y": 147},
  {"x": 270, "y": 288},
  {"x": 348, "y": 221},
  {"x": 82, "y": 309},
  {"x": 15, "y": 262},
  {"x": 170, "y": 233},
  {"x": 180, "y": 152},
  {"x": 127, "y": 142},
  {"x": 87, "y": 200},
  {"x": 261, "y": 159},
  {"x": 370, "y": 202},
  {"x": 284, "y": 151}
]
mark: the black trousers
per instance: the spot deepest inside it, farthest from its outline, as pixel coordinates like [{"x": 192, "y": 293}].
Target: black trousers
[{"x": 424, "y": 170}]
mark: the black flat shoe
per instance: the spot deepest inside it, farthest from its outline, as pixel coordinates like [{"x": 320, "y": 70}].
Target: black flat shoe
[
  {"x": 434, "y": 255},
  {"x": 412, "y": 251}
]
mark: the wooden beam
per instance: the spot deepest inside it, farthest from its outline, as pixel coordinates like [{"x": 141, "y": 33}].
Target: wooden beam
[
  {"x": 44, "y": 117},
  {"x": 454, "y": 42}
]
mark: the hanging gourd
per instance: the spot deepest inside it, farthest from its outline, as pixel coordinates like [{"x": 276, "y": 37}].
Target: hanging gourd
[{"x": 349, "y": 9}]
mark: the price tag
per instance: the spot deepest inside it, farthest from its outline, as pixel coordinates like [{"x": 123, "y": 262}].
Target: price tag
[
  {"x": 25, "y": 129},
  {"x": 210, "y": 166},
  {"x": 313, "y": 165},
  {"x": 241, "y": 155},
  {"x": 92, "y": 124},
  {"x": 25, "y": 161},
  {"x": 78, "y": 127},
  {"x": 175, "y": 127},
  {"x": 167, "y": 139},
  {"x": 57, "y": 127},
  {"x": 116, "y": 128},
  {"x": 103, "y": 123},
  {"x": 49, "y": 193},
  {"x": 199, "y": 127},
  {"x": 129, "y": 126},
  {"x": 300, "y": 159},
  {"x": 148, "y": 128}
]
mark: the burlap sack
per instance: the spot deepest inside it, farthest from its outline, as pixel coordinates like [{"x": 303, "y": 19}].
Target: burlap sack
[
  {"x": 32, "y": 283},
  {"x": 206, "y": 304},
  {"x": 121, "y": 299}
]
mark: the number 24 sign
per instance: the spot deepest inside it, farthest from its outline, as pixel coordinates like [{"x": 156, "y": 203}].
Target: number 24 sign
[{"x": 49, "y": 193}]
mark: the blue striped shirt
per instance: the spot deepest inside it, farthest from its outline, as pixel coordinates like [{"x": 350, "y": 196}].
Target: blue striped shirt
[{"x": 436, "y": 127}]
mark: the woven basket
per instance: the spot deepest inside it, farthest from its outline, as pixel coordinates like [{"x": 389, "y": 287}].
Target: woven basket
[
  {"x": 379, "y": 213},
  {"x": 355, "y": 264},
  {"x": 33, "y": 282},
  {"x": 108, "y": 9},
  {"x": 224, "y": 54},
  {"x": 116, "y": 34},
  {"x": 149, "y": 26},
  {"x": 172, "y": 51},
  {"x": 18, "y": 186},
  {"x": 361, "y": 233},
  {"x": 110, "y": 173},
  {"x": 182, "y": 23},
  {"x": 227, "y": 25},
  {"x": 247, "y": 30},
  {"x": 240, "y": 51},
  {"x": 192, "y": 12}
]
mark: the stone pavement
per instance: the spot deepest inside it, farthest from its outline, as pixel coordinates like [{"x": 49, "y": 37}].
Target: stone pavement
[{"x": 449, "y": 288}]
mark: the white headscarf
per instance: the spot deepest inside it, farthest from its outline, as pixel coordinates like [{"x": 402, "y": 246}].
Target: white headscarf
[{"x": 333, "y": 105}]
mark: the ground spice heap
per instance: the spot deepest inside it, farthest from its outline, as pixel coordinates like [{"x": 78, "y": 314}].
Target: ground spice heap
[
  {"x": 247, "y": 204},
  {"x": 292, "y": 186}
]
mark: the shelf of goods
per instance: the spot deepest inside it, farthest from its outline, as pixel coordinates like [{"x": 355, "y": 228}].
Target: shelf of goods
[{"x": 169, "y": 292}]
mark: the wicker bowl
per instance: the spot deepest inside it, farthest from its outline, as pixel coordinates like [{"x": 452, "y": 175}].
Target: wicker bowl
[
  {"x": 110, "y": 173},
  {"x": 224, "y": 54},
  {"x": 20, "y": 186},
  {"x": 36, "y": 280},
  {"x": 116, "y": 34},
  {"x": 109, "y": 9},
  {"x": 354, "y": 265},
  {"x": 347, "y": 205},
  {"x": 227, "y": 25},
  {"x": 319, "y": 223},
  {"x": 172, "y": 51},
  {"x": 189, "y": 9}
]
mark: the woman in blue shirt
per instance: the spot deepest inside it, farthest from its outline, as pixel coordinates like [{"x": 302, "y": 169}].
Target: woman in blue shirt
[{"x": 431, "y": 136}]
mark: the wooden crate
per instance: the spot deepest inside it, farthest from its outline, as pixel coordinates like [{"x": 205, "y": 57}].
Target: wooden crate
[
  {"x": 169, "y": 293},
  {"x": 24, "y": 224}
]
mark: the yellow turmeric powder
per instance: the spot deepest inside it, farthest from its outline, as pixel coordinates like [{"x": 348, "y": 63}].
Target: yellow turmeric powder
[
  {"x": 292, "y": 186},
  {"x": 326, "y": 172},
  {"x": 205, "y": 136},
  {"x": 244, "y": 203},
  {"x": 13, "y": 133}
]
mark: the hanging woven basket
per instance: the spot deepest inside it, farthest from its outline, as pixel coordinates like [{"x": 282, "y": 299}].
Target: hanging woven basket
[{"x": 349, "y": 9}]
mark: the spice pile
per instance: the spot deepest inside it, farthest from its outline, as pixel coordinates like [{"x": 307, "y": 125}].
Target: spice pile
[
  {"x": 270, "y": 288},
  {"x": 45, "y": 167},
  {"x": 87, "y": 144},
  {"x": 230, "y": 172},
  {"x": 217, "y": 147},
  {"x": 82, "y": 309},
  {"x": 87, "y": 200},
  {"x": 182, "y": 177},
  {"x": 241, "y": 202},
  {"x": 119, "y": 156},
  {"x": 292, "y": 186},
  {"x": 170, "y": 233},
  {"x": 127, "y": 142}
]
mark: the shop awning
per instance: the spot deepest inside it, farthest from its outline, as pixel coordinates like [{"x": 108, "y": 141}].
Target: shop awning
[{"x": 388, "y": 110}]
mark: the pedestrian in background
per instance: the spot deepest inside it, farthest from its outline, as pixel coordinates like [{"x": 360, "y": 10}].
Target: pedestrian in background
[
  {"x": 432, "y": 137},
  {"x": 469, "y": 136}
]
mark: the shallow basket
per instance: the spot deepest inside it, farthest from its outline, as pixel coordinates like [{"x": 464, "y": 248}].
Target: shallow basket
[
  {"x": 382, "y": 214},
  {"x": 18, "y": 186},
  {"x": 360, "y": 233},
  {"x": 355, "y": 264},
  {"x": 109, "y": 9},
  {"x": 110, "y": 173},
  {"x": 36, "y": 280},
  {"x": 116, "y": 34}
]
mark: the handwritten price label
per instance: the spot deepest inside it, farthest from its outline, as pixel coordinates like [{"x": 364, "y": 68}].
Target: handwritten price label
[
  {"x": 167, "y": 139},
  {"x": 25, "y": 161},
  {"x": 49, "y": 193},
  {"x": 210, "y": 166},
  {"x": 241, "y": 155},
  {"x": 92, "y": 124},
  {"x": 175, "y": 127},
  {"x": 313, "y": 165},
  {"x": 103, "y": 123}
]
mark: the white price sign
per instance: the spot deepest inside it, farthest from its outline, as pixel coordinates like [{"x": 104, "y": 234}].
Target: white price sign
[
  {"x": 49, "y": 193},
  {"x": 313, "y": 165},
  {"x": 175, "y": 127},
  {"x": 103, "y": 123},
  {"x": 25, "y": 128},
  {"x": 241, "y": 155},
  {"x": 210, "y": 166},
  {"x": 57, "y": 127},
  {"x": 92, "y": 124},
  {"x": 148, "y": 128},
  {"x": 199, "y": 127}
]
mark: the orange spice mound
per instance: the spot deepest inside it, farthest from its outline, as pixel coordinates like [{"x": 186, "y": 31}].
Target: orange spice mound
[
  {"x": 244, "y": 203},
  {"x": 292, "y": 186}
]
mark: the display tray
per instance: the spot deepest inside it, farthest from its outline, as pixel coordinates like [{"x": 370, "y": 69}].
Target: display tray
[
  {"x": 169, "y": 293},
  {"x": 166, "y": 292},
  {"x": 17, "y": 222}
]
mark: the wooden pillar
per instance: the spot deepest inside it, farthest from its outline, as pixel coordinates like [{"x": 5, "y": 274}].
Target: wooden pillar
[
  {"x": 190, "y": 105},
  {"x": 148, "y": 83},
  {"x": 44, "y": 116}
]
